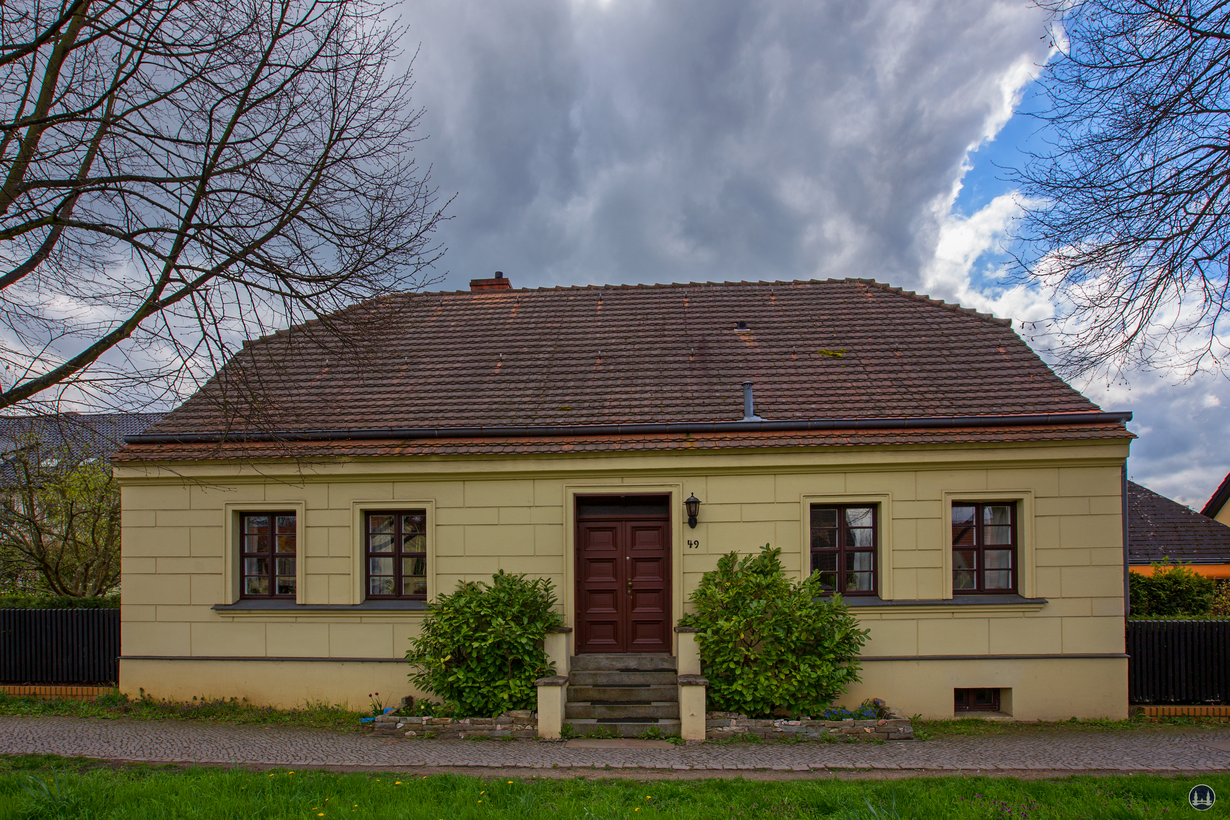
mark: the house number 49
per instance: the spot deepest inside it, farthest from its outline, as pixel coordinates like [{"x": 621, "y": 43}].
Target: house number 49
[{"x": 693, "y": 544}]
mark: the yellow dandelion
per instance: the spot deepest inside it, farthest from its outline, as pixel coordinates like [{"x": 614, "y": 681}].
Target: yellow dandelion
[
  {"x": 396, "y": 782},
  {"x": 322, "y": 814}
]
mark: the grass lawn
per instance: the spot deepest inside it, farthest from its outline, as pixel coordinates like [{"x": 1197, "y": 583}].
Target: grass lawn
[
  {"x": 319, "y": 715},
  {"x": 39, "y": 788}
]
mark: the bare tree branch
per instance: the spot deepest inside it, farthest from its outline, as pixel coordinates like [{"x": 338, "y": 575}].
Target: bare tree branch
[
  {"x": 179, "y": 175},
  {"x": 1128, "y": 213}
]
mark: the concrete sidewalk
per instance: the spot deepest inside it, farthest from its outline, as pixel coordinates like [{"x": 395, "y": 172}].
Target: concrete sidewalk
[{"x": 1162, "y": 749}]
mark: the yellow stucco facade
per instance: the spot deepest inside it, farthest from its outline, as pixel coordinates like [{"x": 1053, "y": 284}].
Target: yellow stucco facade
[{"x": 1052, "y": 659}]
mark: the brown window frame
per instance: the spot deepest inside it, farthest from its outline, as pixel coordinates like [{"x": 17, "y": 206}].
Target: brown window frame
[
  {"x": 398, "y": 554},
  {"x": 980, "y": 547},
  {"x": 965, "y": 700},
  {"x": 842, "y": 551},
  {"x": 272, "y": 554}
]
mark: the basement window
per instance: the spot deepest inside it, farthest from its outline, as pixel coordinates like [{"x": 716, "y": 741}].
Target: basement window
[{"x": 975, "y": 700}]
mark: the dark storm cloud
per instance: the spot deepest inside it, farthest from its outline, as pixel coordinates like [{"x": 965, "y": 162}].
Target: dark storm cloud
[{"x": 640, "y": 141}]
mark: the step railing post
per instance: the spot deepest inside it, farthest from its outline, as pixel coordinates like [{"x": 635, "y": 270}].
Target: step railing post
[
  {"x": 692, "y": 685},
  {"x": 552, "y": 697}
]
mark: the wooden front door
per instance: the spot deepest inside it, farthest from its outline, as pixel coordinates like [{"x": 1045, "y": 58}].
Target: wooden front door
[{"x": 623, "y": 574}]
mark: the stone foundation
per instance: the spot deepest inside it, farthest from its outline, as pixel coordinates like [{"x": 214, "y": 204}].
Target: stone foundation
[
  {"x": 727, "y": 724},
  {"x": 510, "y": 724}
]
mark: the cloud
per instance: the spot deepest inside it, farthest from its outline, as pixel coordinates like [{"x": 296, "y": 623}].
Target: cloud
[{"x": 642, "y": 141}]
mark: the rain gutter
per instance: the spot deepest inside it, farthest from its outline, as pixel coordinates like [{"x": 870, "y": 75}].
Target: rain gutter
[{"x": 794, "y": 425}]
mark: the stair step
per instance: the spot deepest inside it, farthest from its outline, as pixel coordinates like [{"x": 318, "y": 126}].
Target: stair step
[
  {"x": 638, "y": 662},
  {"x": 653, "y": 728},
  {"x": 621, "y": 711},
  {"x": 622, "y": 694},
  {"x": 608, "y": 678}
]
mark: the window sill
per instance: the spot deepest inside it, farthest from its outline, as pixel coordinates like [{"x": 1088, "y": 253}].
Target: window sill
[
  {"x": 957, "y": 605},
  {"x": 290, "y": 609}
]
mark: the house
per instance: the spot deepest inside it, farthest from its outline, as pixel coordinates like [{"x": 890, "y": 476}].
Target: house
[
  {"x": 285, "y": 527},
  {"x": 1216, "y": 507},
  {"x": 1160, "y": 530},
  {"x": 75, "y": 437}
]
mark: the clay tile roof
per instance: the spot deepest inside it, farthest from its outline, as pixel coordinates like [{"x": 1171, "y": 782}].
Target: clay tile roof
[
  {"x": 1218, "y": 500},
  {"x": 628, "y": 354},
  {"x": 1159, "y": 528}
]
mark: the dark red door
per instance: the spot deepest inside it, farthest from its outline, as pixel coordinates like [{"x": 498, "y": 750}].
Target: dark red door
[{"x": 623, "y": 575}]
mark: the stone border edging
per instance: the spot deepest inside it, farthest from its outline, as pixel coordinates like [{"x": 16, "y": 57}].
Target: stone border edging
[
  {"x": 729, "y": 724},
  {"x": 517, "y": 723}
]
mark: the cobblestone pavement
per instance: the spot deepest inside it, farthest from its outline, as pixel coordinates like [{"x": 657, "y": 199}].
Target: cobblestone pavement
[{"x": 1156, "y": 749}]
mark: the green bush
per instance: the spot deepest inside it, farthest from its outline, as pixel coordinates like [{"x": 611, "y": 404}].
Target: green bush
[
  {"x": 770, "y": 646},
  {"x": 481, "y": 647},
  {"x": 57, "y": 602},
  {"x": 1173, "y": 589}
]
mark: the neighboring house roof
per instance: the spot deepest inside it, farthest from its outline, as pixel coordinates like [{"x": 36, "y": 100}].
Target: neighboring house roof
[
  {"x": 77, "y": 436},
  {"x": 1220, "y": 496},
  {"x": 621, "y": 355},
  {"x": 1159, "y": 528}
]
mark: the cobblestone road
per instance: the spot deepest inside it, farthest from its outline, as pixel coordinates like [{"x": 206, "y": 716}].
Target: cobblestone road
[{"x": 1159, "y": 749}]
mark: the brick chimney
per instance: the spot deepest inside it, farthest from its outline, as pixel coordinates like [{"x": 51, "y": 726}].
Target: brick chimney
[{"x": 498, "y": 283}]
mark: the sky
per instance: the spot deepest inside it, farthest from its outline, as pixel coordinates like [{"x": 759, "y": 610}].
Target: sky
[{"x": 638, "y": 141}]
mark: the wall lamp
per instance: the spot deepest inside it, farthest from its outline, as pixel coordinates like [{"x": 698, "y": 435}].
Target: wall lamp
[{"x": 692, "y": 505}]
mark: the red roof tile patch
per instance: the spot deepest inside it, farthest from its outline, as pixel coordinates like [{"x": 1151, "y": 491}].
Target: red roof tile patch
[{"x": 628, "y": 354}]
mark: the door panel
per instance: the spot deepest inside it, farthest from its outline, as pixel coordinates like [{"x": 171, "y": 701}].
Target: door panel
[{"x": 623, "y": 585}]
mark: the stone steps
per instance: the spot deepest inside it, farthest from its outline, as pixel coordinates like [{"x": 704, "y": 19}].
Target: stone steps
[
  {"x": 663, "y": 678},
  {"x": 642, "y": 662},
  {"x": 621, "y": 711},
  {"x": 604, "y": 728},
  {"x": 623, "y": 695}
]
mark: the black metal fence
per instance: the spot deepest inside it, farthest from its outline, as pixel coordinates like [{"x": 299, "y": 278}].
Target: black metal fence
[
  {"x": 1178, "y": 661},
  {"x": 59, "y": 645}
]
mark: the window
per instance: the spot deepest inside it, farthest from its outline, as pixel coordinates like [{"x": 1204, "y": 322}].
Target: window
[
  {"x": 843, "y": 548},
  {"x": 396, "y": 553},
  {"x": 267, "y": 550},
  {"x": 984, "y": 541},
  {"x": 975, "y": 700}
]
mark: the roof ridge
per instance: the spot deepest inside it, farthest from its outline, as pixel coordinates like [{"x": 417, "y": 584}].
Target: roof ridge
[{"x": 987, "y": 317}]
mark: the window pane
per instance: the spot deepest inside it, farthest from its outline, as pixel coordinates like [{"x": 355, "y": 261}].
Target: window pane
[
  {"x": 983, "y": 697},
  {"x": 380, "y": 566},
  {"x": 859, "y": 562},
  {"x": 963, "y": 579},
  {"x": 963, "y": 525},
  {"x": 824, "y": 561},
  {"x": 859, "y": 517},
  {"x": 964, "y": 559},
  {"x": 286, "y": 585},
  {"x": 823, "y": 538},
  {"x": 858, "y": 582},
  {"x": 860, "y": 538},
  {"x": 286, "y": 543},
  {"x": 286, "y": 523},
  {"x": 997, "y": 559},
  {"x": 997, "y": 535},
  {"x": 256, "y": 585},
  {"x": 285, "y": 566},
  {"x": 998, "y": 514},
  {"x": 414, "y": 566},
  {"x": 414, "y": 543},
  {"x": 415, "y": 586},
  {"x": 255, "y": 523},
  {"x": 256, "y": 566},
  {"x": 380, "y": 543},
  {"x": 998, "y": 579},
  {"x": 256, "y": 543},
  {"x": 826, "y": 564},
  {"x": 824, "y": 517},
  {"x": 380, "y": 523},
  {"x": 413, "y": 523},
  {"x": 380, "y": 586}
]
